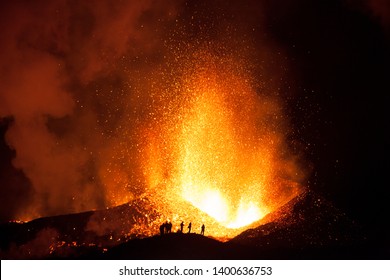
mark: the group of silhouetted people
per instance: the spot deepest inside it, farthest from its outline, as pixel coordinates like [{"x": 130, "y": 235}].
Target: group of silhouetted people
[{"x": 167, "y": 228}]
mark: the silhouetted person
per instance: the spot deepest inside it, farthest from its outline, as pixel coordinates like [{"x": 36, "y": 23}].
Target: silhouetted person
[
  {"x": 169, "y": 227},
  {"x": 181, "y": 227},
  {"x": 202, "y": 230},
  {"x": 162, "y": 229},
  {"x": 189, "y": 227}
]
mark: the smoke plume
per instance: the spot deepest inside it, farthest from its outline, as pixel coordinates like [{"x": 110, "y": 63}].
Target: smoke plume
[{"x": 59, "y": 60}]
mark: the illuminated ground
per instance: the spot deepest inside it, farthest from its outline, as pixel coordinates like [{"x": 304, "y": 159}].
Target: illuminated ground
[{"x": 306, "y": 227}]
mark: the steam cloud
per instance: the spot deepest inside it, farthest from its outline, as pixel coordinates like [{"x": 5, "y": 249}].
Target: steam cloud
[{"x": 53, "y": 55}]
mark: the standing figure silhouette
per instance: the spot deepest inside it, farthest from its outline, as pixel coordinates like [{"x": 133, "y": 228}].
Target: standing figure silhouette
[{"x": 189, "y": 227}]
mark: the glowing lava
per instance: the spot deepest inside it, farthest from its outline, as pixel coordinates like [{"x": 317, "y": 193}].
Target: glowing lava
[
  {"x": 217, "y": 144},
  {"x": 219, "y": 171}
]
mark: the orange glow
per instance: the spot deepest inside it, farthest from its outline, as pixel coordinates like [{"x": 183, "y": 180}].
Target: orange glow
[{"x": 215, "y": 143}]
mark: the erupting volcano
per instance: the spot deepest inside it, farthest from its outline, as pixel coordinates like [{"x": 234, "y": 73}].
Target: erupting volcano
[
  {"x": 247, "y": 117},
  {"x": 186, "y": 120},
  {"x": 218, "y": 144}
]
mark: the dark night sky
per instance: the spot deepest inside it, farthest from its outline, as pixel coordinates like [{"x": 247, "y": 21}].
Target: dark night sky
[
  {"x": 336, "y": 97},
  {"x": 342, "y": 57}
]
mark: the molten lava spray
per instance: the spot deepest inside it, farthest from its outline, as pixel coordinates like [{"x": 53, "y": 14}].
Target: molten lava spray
[{"x": 217, "y": 143}]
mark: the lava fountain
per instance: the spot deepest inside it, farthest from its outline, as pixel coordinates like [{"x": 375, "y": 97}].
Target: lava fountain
[{"x": 217, "y": 144}]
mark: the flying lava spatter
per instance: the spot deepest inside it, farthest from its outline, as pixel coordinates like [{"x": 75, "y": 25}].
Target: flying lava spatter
[{"x": 216, "y": 144}]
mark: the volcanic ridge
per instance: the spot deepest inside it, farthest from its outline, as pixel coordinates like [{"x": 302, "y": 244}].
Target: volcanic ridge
[{"x": 307, "y": 227}]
